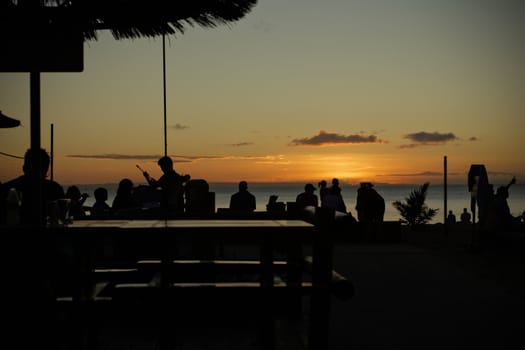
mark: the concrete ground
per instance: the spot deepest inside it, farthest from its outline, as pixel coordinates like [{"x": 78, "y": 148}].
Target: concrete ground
[
  {"x": 426, "y": 292},
  {"x": 432, "y": 292}
]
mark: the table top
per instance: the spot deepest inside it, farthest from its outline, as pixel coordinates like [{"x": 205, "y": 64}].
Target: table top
[{"x": 146, "y": 224}]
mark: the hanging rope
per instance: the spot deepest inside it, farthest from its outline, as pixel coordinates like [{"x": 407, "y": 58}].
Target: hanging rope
[{"x": 10, "y": 155}]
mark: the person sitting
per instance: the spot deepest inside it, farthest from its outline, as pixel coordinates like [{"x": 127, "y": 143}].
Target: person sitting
[
  {"x": 307, "y": 198},
  {"x": 465, "y": 216},
  {"x": 100, "y": 208},
  {"x": 124, "y": 201},
  {"x": 77, "y": 199},
  {"x": 243, "y": 200},
  {"x": 25, "y": 186}
]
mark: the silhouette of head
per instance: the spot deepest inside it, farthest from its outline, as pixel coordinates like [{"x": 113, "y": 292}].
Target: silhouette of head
[
  {"x": 502, "y": 192},
  {"x": 73, "y": 192},
  {"x": 29, "y": 158},
  {"x": 243, "y": 186},
  {"x": 309, "y": 188},
  {"x": 322, "y": 183},
  {"x": 165, "y": 163},
  {"x": 125, "y": 186},
  {"x": 101, "y": 194},
  {"x": 335, "y": 182}
]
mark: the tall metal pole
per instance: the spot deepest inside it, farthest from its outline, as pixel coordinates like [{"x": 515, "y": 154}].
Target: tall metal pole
[
  {"x": 52, "y": 152},
  {"x": 164, "y": 90},
  {"x": 445, "y": 195}
]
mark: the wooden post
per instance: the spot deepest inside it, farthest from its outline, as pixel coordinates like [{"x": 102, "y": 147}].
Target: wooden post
[
  {"x": 52, "y": 153},
  {"x": 320, "y": 302},
  {"x": 35, "y": 172},
  {"x": 445, "y": 209}
]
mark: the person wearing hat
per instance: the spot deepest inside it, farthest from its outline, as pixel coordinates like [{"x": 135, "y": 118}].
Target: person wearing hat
[{"x": 307, "y": 198}]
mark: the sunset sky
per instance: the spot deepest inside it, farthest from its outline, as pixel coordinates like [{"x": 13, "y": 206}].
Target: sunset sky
[{"x": 298, "y": 90}]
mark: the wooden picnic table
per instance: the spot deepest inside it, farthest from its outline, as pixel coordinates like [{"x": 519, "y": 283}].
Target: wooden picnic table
[{"x": 163, "y": 239}]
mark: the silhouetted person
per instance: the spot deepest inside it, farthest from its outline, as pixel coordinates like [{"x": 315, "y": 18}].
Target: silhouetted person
[
  {"x": 124, "y": 200},
  {"x": 370, "y": 205},
  {"x": 451, "y": 218},
  {"x": 100, "y": 208},
  {"x": 307, "y": 198},
  {"x": 465, "y": 216},
  {"x": 51, "y": 190},
  {"x": 243, "y": 200},
  {"x": 171, "y": 184},
  {"x": 333, "y": 199},
  {"x": 481, "y": 192},
  {"x": 500, "y": 217},
  {"x": 31, "y": 282},
  {"x": 323, "y": 190},
  {"x": 76, "y": 206}
]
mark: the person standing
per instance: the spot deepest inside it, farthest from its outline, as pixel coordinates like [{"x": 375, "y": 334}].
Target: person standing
[
  {"x": 451, "y": 218},
  {"x": 465, "y": 216},
  {"x": 323, "y": 190},
  {"x": 172, "y": 185},
  {"x": 243, "y": 200},
  {"x": 370, "y": 205},
  {"x": 333, "y": 198}
]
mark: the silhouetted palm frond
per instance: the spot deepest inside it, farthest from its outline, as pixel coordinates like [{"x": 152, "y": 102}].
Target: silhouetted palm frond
[
  {"x": 124, "y": 18},
  {"x": 415, "y": 212}
]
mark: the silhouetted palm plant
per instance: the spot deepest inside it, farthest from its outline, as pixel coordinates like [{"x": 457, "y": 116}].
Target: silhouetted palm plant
[
  {"x": 415, "y": 212},
  {"x": 124, "y": 18}
]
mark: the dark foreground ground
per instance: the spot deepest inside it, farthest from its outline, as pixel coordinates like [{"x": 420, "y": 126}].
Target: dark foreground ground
[
  {"x": 432, "y": 292},
  {"x": 426, "y": 292}
]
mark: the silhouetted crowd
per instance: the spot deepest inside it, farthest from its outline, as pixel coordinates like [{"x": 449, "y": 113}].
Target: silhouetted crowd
[{"x": 174, "y": 195}]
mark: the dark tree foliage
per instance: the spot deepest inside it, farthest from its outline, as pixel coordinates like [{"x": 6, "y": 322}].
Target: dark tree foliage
[
  {"x": 124, "y": 18},
  {"x": 414, "y": 211}
]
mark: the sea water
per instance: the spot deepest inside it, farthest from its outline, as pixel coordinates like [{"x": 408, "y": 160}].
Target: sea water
[{"x": 458, "y": 196}]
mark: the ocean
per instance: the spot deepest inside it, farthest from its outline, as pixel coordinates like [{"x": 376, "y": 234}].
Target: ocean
[{"x": 458, "y": 196}]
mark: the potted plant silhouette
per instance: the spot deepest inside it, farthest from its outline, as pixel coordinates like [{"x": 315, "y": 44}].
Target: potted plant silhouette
[{"x": 414, "y": 211}]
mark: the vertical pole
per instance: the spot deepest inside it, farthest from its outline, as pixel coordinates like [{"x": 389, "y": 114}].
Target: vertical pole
[
  {"x": 164, "y": 90},
  {"x": 52, "y": 152},
  {"x": 35, "y": 172},
  {"x": 445, "y": 209}
]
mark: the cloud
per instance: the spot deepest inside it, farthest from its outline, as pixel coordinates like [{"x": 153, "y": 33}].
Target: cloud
[
  {"x": 178, "y": 158},
  {"x": 180, "y": 127},
  {"x": 326, "y": 138},
  {"x": 240, "y": 144},
  {"x": 424, "y": 138},
  {"x": 423, "y": 173},
  {"x": 114, "y": 156}
]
